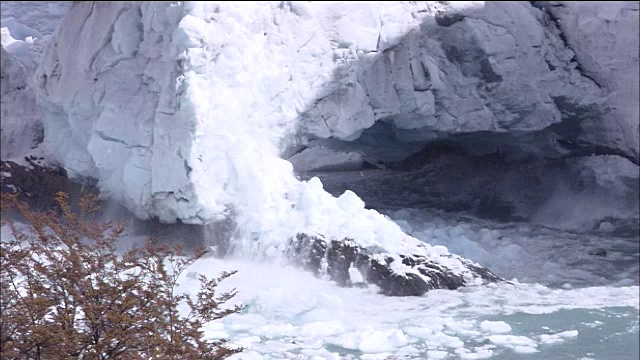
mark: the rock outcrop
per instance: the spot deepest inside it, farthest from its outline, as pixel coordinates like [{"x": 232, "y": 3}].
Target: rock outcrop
[{"x": 349, "y": 264}]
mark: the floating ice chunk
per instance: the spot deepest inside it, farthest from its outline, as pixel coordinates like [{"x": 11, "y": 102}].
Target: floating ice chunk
[
  {"x": 248, "y": 355},
  {"x": 512, "y": 341},
  {"x": 408, "y": 350},
  {"x": 436, "y": 354},
  {"x": 568, "y": 334},
  {"x": 525, "y": 349},
  {"x": 274, "y": 331},
  {"x": 482, "y": 352},
  {"x": 445, "y": 340},
  {"x": 419, "y": 332},
  {"x": 558, "y": 337},
  {"x": 372, "y": 341},
  {"x": 382, "y": 341},
  {"x": 322, "y": 329},
  {"x": 248, "y": 341},
  {"x": 495, "y": 327},
  {"x": 550, "y": 339},
  {"x": 378, "y": 356},
  {"x": 320, "y": 354},
  {"x": 593, "y": 324}
]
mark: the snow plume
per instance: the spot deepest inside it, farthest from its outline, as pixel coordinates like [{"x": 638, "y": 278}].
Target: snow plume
[{"x": 181, "y": 110}]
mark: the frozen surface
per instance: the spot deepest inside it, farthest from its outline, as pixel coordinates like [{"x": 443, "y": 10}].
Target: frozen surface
[{"x": 182, "y": 110}]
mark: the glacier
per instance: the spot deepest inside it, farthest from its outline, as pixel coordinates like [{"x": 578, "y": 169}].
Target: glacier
[
  {"x": 310, "y": 115},
  {"x": 183, "y": 110},
  {"x": 188, "y": 112}
]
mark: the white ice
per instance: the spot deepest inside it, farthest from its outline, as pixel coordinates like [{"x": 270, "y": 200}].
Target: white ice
[{"x": 291, "y": 314}]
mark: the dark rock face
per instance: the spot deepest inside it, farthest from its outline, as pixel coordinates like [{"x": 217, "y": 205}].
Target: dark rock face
[
  {"x": 38, "y": 184},
  {"x": 334, "y": 258}
]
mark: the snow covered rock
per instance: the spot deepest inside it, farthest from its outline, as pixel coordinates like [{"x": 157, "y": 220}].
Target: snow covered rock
[
  {"x": 37, "y": 184},
  {"x": 394, "y": 274}
]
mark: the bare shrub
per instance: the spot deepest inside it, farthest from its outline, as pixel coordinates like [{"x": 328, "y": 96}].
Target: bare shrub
[{"x": 67, "y": 294}]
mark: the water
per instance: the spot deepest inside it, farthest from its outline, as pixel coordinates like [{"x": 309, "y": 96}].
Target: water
[
  {"x": 292, "y": 315},
  {"x": 608, "y": 333},
  {"x": 528, "y": 252},
  {"x": 561, "y": 302}
]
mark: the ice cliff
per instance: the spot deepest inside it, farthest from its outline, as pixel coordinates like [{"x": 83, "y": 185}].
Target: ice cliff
[
  {"x": 185, "y": 110},
  {"x": 181, "y": 110},
  {"x": 26, "y": 27}
]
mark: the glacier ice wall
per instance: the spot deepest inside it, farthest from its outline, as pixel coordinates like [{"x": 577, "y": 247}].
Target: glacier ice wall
[
  {"x": 20, "y": 129},
  {"x": 25, "y": 28},
  {"x": 544, "y": 81},
  {"x": 604, "y": 37},
  {"x": 181, "y": 110}
]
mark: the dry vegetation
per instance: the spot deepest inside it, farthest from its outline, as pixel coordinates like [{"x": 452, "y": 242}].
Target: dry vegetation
[{"x": 67, "y": 293}]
